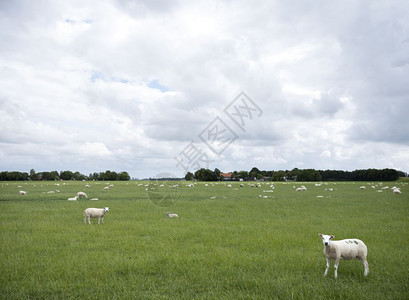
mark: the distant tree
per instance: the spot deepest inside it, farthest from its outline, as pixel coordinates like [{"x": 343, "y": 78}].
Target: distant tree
[
  {"x": 255, "y": 173},
  {"x": 124, "y": 176},
  {"x": 217, "y": 173},
  {"x": 278, "y": 176},
  {"x": 33, "y": 175},
  {"x": 309, "y": 175},
  {"x": 243, "y": 175},
  {"x": 205, "y": 175},
  {"x": 66, "y": 175},
  {"x": 189, "y": 176}
]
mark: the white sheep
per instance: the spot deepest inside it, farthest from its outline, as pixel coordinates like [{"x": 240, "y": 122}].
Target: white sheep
[
  {"x": 23, "y": 193},
  {"x": 73, "y": 199},
  {"x": 344, "y": 249},
  {"x": 95, "y": 213},
  {"x": 170, "y": 215},
  {"x": 362, "y": 187},
  {"x": 397, "y": 191},
  {"x": 82, "y": 194}
]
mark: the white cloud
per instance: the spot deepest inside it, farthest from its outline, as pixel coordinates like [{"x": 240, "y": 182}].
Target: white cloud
[{"x": 126, "y": 85}]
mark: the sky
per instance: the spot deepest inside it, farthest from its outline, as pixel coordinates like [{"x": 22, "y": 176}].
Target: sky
[{"x": 156, "y": 87}]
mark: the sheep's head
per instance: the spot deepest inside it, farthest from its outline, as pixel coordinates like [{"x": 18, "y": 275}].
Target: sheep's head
[
  {"x": 326, "y": 239},
  {"x": 106, "y": 209}
]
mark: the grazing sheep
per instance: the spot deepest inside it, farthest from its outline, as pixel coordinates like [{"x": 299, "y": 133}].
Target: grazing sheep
[
  {"x": 362, "y": 187},
  {"x": 23, "y": 193},
  {"x": 301, "y": 189},
  {"x": 95, "y": 213},
  {"x": 94, "y": 199},
  {"x": 344, "y": 249},
  {"x": 397, "y": 191},
  {"x": 170, "y": 215},
  {"x": 106, "y": 188},
  {"x": 73, "y": 199},
  {"x": 82, "y": 194}
]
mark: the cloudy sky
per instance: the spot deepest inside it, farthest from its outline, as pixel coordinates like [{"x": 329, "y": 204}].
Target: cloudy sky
[{"x": 154, "y": 86}]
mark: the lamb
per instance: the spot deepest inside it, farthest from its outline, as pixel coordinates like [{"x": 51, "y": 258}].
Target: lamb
[
  {"x": 362, "y": 187},
  {"x": 73, "y": 199},
  {"x": 344, "y": 249},
  {"x": 170, "y": 215},
  {"x": 23, "y": 193},
  {"x": 95, "y": 213},
  {"x": 82, "y": 194}
]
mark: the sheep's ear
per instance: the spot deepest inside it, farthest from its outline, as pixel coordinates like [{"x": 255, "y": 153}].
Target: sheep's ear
[
  {"x": 320, "y": 234},
  {"x": 331, "y": 237}
]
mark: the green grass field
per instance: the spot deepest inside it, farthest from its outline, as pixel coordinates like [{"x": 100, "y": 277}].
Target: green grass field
[{"x": 228, "y": 243}]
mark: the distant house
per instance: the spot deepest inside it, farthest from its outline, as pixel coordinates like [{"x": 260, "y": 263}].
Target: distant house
[{"x": 226, "y": 176}]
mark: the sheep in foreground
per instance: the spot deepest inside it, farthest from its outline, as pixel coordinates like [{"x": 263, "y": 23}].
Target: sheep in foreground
[
  {"x": 170, "y": 215},
  {"x": 344, "y": 249},
  {"x": 82, "y": 194},
  {"x": 95, "y": 213},
  {"x": 397, "y": 191}
]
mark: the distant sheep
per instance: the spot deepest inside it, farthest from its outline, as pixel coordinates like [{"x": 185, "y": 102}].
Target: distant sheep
[
  {"x": 95, "y": 213},
  {"x": 73, "y": 199},
  {"x": 22, "y": 193},
  {"x": 106, "y": 188},
  {"x": 362, "y": 187},
  {"x": 344, "y": 249},
  {"x": 301, "y": 189},
  {"x": 82, "y": 194},
  {"x": 170, "y": 215}
]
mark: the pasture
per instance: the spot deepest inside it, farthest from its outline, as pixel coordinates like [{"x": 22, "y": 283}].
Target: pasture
[{"x": 228, "y": 243}]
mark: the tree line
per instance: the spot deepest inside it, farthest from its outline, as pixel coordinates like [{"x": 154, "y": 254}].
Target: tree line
[
  {"x": 62, "y": 175},
  {"x": 299, "y": 175}
]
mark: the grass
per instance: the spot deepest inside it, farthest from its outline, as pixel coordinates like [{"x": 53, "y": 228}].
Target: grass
[{"x": 236, "y": 246}]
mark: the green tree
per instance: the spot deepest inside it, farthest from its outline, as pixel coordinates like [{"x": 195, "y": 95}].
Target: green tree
[
  {"x": 255, "y": 173},
  {"x": 124, "y": 176},
  {"x": 189, "y": 176},
  {"x": 33, "y": 175},
  {"x": 66, "y": 175},
  {"x": 217, "y": 173},
  {"x": 205, "y": 175}
]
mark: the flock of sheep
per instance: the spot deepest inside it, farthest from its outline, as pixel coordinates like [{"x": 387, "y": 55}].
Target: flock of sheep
[{"x": 333, "y": 250}]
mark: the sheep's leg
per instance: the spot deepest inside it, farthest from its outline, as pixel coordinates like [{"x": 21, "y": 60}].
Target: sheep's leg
[
  {"x": 326, "y": 270},
  {"x": 89, "y": 220},
  {"x": 99, "y": 219},
  {"x": 366, "y": 266},
  {"x": 102, "y": 219},
  {"x": 336, "y": 268},
  {"x": 85, "y": 219}
]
